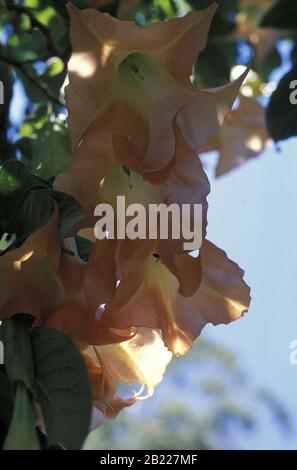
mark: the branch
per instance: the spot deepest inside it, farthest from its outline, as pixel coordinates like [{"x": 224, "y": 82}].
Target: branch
[{"x": 19, "y": 65}]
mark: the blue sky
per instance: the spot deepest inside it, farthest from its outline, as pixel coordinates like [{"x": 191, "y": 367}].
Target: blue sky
[{"x": 252, "y": 215}]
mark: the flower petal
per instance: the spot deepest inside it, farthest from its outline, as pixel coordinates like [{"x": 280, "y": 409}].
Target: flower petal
[
  {"x": 223, "y": 296},
  {"x": 141, "y": 360},
  {"x": 155, "y": 302},
  {"x": 30, "y": 280},
  {"x": 147, "y": 297},
  {"x": 82, "y": 181},
  {"x": 242, "y": 136},
  {"x": 136, "y": 83}
]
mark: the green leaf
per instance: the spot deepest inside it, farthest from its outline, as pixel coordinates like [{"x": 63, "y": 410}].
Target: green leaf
[
  {"x": 63, "y": 386},
  {"x": 55, "y": 66},
  {"x": 281, "y": 114},
  {"x": 38, "y": 207},
  {"x": 15, "y": 178},
  {"x": 26, "y": 203},
  {"x": 33, "y": 213},
  {"x": 70, "y": 212},
  {"x": 15, "y": 182},
  {"x": 6, "y": 241},
  {"x": 6, "y": 401},
  {"x": 166, "y": 6},
  {"x": 51, "y": 151},
  {"x": 84, "y": 247},
  {"x": 27, "y": 45},
  {"x": 19, "y": 363},
  {"x": 22, "y": 434},
  {"x": 45, "y": 15}
]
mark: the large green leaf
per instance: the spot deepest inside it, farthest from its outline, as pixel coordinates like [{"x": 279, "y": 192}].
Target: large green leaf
[
  {"x": 281, "y": 114},
  {"x": 19, "y": 362},
  {"x": 22, "y": 434},
  {"x": 37, "y": 208},
  {"x": 34, "y": 213},
  {"x": 6, "y": 403},
  {"x": 51, "y": 151},
  {"x": 84, "y": 247},
  {"x": 63, "y": 388},
  {"x": 26, "y": 203},
  {"x": 70, "y": 212},
  {"x": 15, "y": 183},
  {"x": 19, "y": 366}
]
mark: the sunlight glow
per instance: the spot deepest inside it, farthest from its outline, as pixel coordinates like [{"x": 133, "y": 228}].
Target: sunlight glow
[
  {"x": 254, "y": 143},
  {"x": 18, "y": 263}
]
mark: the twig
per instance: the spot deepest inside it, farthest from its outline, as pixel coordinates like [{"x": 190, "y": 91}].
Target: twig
[{"x": 21, "y": 67}]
